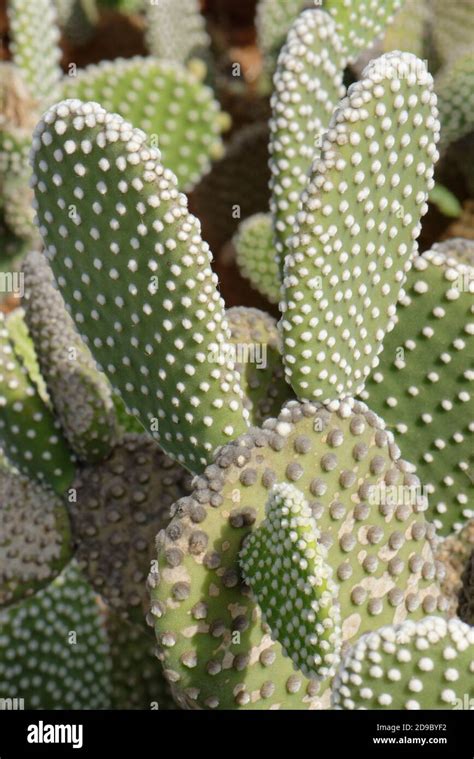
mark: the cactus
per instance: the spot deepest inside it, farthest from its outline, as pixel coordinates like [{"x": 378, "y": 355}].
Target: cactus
[
  {"x": 176, "y": 31},
  {"x": 421, "y": 386},
  {"x": 34, "y": 537},
  {"x": 453, "y": 553},
  {"x": 341, "y": 462},
  {"x": 166, "y": 101},
  {"x": 255, "y": 255},
  {"x": 466, "y": 597},
  {"x": 78, "y": 19},
  {"x": 454, "y": 85},
  {"x": 413, "y": 665}
]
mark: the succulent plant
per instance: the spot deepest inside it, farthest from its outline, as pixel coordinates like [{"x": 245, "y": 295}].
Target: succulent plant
[
  {"x": 413, "y": 665},
  {"x": 255, "y": 255},
  {"x": 176, "y": 31},
  {"x": 466, "y": 597}
]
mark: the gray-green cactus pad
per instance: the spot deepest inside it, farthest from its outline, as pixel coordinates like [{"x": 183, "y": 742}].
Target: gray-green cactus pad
[
  {"x": 137, "y": 277},
  {"x": 54, "y": 652},
  {"x": 255, "y": 255},
  {"x": 427, "y": 664},
  {"x": 214, "y": 648},
  {"x": 358, "y": 227},
  {"x": 423, "y": 385},
  {"x": 35, "y": 540}
]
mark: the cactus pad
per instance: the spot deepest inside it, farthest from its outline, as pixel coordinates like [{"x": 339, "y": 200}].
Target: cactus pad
[
  {"x": 466, "y": 597},
  {"x": 119, "y": 507},
  {"x": 307, "y": 87},
  {"x": 256, "y": 344},
  {"x": 81, "y": 395},
  {"x": 360, "y": 22},
  {"x": 34, "y": 536},
  {"x": 176, "y": 31},
  {"x": 29, "y": 434},
  {"x": 285, "y": 564},
  {"x": 358, "y": 227},
  {"x": 414, "y": 665},
  {"x": 65, "y": 662},
  {"x": 167, "y": 101},
  {"x": 131, "y": 229},
  {"x": 422, "y": 385},
  {"x": 454, "y": 87},
  {"x": 255, "y": 255},
  {"x": 214, "y": 649}
]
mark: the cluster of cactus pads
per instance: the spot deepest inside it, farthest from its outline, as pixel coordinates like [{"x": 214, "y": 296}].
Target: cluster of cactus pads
[{"x": 269, "y": 498}]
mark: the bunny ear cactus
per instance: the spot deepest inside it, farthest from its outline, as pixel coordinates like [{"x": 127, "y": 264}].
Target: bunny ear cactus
[
  {"x": 255, "y": 255},
  {"x": 452, "y": 27},
  {"x": 307, "y": 87},
  {"x": 81, "y": 396},
  {"x": 255, "y": 348},
  {"x": 176, "y": 31},
  {"x": 34, "y": 45},
  {"x": 285, "y": 564},
  {"x": 165, "y": 100},
  {"x": 454, "y": 87},
  {"x": 215, "y": 648},
  {"x": 356, "y": 233},
  {"x": 34, "y": 536},
  {"x": 29, "y": 433},
  {"x": 415, "y": 665},
  {"x": 422, "y": 384},
  {"x": 147, "y": 257},
  {"x": 65, "y": 662}
]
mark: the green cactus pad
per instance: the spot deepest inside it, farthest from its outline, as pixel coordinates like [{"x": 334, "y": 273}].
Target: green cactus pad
[
  {"x": 409, "y": 28},
  {"x": 214, "y": 649},
  {"x": 454, "y": 87},
  {"x": 53, "y": 648},
  {"x": 307, "y": 87},
  {"x": 18, "y": 117},
  {"x": 176, "y": 31},
  {"x": 357, "y": 229},
  {"x": 34, "y": 537},
  {"x": 285, "y": 564},
  {"x": 18, "y": 210},
  {"x": 273, "y": 21},
  {"x": 167, "y": 101},
  {"x": 422, "y": 385},
  {"x": 78, "y": 18},
  {"x": 117, "y": 509},
  {"x": 452, "y": 27},
  {"x": 466, "y": 597},
  {"x": 137, "y": 677},
  {"x": 360, "y": 22},
  {"x": 255, "y": 255},
  {"x": 137, "y": 277},
  {"x": 256, "y": 344},
  {"x": 29, "y": 434},
  {"x": 80, "y": 394},
  {"x": 24, "y": 348},
  {"x": 414, "y": 665},
  {"x": 34, "y": 46}
]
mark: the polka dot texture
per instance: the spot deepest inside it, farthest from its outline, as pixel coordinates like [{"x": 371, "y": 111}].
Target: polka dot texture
[
  {"x": 356, "y": 233},
  {"x": 38, "y": 660},
  {"x": 34, "y": 46},
  {"x": 120, "y": 506},
  {"x": 285, "y": 564},
  {"x": 29, "y": 433},
  {"x": 176, "y": 31},
  {"x": 273, "y": 21},
  {"x": 381, "y": 554},
  {"x": 255, "y": 255},
  {"x": 81, "y": 395},
  {"x": 307, "y": 86},
  {"x": 360, "y": 22},
  {"x": 415, "y": 665},
  {"x": 177, "y": 111},
  {"x": 423, "y": 386},
  {"x": 34, "y": 537},
  {"x": 455, "y": 90},
  {"x": 256, "y": 339},
  {"x": 137, "y": 277}
]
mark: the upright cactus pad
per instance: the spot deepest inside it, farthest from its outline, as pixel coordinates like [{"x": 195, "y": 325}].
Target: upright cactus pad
[
  {"x": 360, "y": 22},
  {"x": 452, "y": 27},
  {"x": 358, "y": 227},
  {"x": 65, "y": 661},
  {"x": 273, "y": 21},
  {"x": 34, "y": 46},
  {"x": 34, "y": 537},
  {"x": 214, "y": 649},
  {"x": 255, "y": 343},
  {"x": 423, "y": 385},
  {"x": 285, "y": 564},
  {"x": 307, "y": 87},
  {"x": 29, "y": 433},
  {"x": 454, "y": 87},
  {"x": 119, "y": 506},
  {"x": 255, "y": 255},
  {"x": 414, "y": 665},
  {"x": 167, "y": 101},
  {"x": 176, "y": 31},
  {"x": 80, "y": 394},
  {"x": 131, "y": 229}
]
